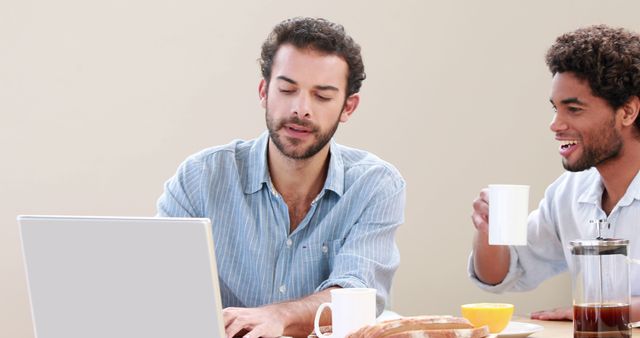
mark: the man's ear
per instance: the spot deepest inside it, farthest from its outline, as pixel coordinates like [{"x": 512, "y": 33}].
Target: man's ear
[
  {"x": 262, "y": 93},
  {"x": 349, "y": 107},
  {"x": 630, "y": 111}
]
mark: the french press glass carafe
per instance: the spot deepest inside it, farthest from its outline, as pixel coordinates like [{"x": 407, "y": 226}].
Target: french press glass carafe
[{"x": 601, "y": 293}]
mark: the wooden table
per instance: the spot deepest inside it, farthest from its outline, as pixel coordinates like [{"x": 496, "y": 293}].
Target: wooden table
[
  {"x": 556, "y": 329},
  {"x": 552, "y": 329}
]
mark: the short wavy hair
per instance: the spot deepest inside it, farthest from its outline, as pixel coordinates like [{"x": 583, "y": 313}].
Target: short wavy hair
[
  {"x": 607, "y": 58},
  {"x": 317, "y": 34}
]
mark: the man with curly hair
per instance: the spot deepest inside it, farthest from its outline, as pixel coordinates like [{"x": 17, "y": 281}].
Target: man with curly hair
[
  {"x": 295, "y": 214},
  {"x": 594, "y": 94}
]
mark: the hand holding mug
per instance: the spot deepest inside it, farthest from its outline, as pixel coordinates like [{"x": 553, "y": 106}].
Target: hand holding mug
[{"x": 480, "y": 216}]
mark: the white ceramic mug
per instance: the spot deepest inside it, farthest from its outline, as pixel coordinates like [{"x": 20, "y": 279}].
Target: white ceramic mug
[
  {"x": 508, "y": 213},
  {"x": 351, "y": 309}
]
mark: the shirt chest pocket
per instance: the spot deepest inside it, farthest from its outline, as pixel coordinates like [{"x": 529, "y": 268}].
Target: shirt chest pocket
[{"x": 316, "y": 251}]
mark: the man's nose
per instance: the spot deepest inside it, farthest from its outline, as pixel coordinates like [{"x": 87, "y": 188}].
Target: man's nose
[
  {"x": 557, "y": 124},
  {"x": 302, "y": 106}
]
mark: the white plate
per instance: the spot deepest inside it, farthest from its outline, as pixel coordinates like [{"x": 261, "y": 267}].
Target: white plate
[{"x": 519, "y": 329}]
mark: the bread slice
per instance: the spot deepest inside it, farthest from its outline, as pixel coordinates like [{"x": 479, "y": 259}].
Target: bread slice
[
  {"x": 423, "y": 327},
  {"x": 479, "y": 332}
]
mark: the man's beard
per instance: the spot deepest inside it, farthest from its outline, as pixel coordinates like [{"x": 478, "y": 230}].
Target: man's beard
[
  {"x": 605, "y": 146},
  {"x": 321, "y": 139}
]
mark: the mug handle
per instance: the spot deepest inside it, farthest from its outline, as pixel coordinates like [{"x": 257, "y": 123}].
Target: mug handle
[{"x": 316, "y": 322}]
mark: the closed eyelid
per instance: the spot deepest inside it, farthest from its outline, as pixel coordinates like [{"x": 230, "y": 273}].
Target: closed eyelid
[
  {"x": 328, "y": 95},
  {"x": 286, "y": 88}
]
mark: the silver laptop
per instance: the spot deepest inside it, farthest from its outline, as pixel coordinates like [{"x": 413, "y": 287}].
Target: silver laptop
[{"x": 95, "y": 277}]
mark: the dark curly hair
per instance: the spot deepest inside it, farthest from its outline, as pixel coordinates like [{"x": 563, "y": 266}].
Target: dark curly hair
[
  {"x": 317, "y": 34},
  {"x": 607, "y": 58}
]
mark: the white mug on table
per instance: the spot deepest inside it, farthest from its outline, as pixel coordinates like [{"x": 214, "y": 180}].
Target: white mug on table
[{"x": 351, "y": 309}]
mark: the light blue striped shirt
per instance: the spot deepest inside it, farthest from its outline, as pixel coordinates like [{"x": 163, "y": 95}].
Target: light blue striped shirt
[{"x": 346, "y": 239}]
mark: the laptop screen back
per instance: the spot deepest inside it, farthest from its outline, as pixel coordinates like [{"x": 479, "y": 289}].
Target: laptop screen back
[{"x": 121, "y": 277}]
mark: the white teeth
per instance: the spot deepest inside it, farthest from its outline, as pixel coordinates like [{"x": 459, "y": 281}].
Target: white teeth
[{"x": 566, "y": 144}]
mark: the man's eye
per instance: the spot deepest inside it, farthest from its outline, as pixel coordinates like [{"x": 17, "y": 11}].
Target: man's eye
[
  {"x": 574, "y": 109},
  {"x": 286, "y": 91},
  {"x": 323, "y": 98}
]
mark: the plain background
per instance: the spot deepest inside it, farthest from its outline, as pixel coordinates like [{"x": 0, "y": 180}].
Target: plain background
[{"x": 101, "y": 100}]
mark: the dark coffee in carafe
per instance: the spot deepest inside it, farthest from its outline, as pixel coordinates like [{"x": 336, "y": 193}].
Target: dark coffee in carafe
[{"x": 601, "y": 320}]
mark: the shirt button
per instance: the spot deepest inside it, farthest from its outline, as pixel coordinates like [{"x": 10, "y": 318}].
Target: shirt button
[
  {"x": 325, "y": 248},
  {"x": 289, "y": 242},
  {"x": 282, "y": 288}
]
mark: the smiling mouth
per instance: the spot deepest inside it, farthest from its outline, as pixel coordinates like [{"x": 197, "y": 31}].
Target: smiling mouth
[{"x": 564, "y": 145}]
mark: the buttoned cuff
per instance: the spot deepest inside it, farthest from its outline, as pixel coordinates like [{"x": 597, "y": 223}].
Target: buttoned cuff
[{"x": 343, "y": 283}]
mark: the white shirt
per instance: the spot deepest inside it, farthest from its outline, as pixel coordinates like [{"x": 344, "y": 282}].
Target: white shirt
[{"x": 569, "y": 204}]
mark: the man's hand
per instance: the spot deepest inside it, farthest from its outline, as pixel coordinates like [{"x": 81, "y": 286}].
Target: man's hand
[
  {"x": 480, "y": 216},
  {"x": 264, "y": 321},
  {"x": 555, "y": 314},
  {"x": 294, "y": 318},
  {"x": 491, "y": 262}
]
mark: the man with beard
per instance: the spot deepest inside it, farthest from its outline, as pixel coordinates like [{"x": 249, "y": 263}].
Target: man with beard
[
  {"x": 594, "y": 94},
  {"x": 295, "y": 214}
]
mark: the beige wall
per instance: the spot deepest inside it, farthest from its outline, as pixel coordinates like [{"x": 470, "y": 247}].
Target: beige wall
[{"x": 101, "y": 100}]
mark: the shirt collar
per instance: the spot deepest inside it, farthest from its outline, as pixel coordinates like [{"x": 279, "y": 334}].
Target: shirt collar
[
  {"x": 593, "y": 194},
  {"x": 257, "y": 174},
  {"x": 335, "y": 173},
  {"x": 633, "y": 191}
]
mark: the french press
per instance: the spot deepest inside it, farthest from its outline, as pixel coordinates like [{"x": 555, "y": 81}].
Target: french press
[{"x": 601, "y": 291}]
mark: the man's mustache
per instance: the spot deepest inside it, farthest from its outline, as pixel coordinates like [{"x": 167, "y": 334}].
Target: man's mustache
[{"x": 296, "y": 120}]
